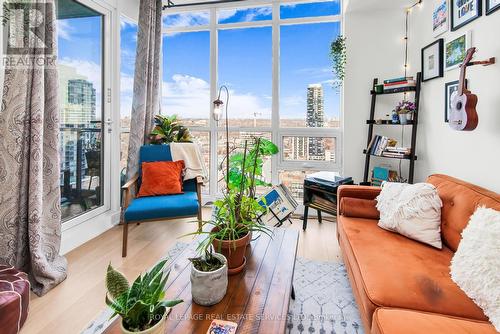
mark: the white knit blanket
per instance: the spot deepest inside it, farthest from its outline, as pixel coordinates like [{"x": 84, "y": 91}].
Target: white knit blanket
[
  {"x": 193, "y": 160},
  {"x": 413, "y": 210}
]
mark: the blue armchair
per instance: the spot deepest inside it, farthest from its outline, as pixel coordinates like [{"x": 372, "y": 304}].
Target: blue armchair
[{"x": 144, "y": 209}]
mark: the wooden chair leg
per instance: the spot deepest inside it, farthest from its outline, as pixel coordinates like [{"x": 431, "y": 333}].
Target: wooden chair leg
[
  {"x": 200, "y": 219},
  {"x": 125, "y": 236}
]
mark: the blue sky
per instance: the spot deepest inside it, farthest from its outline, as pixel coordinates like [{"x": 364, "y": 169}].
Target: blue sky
[{"x": 245, "y": 61}]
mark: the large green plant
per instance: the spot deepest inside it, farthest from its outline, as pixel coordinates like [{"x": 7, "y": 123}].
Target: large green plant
[
  {"x": 168, "y": 129},
  {"x": 338, "y": 56},
  {"x": 141, "y": 305}
]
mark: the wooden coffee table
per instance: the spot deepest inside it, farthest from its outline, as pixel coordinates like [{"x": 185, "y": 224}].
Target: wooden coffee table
[{"x": 257, "y": 298}]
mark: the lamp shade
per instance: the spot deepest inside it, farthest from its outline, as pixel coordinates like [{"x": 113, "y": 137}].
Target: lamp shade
[{"x": 217, "y": 113}]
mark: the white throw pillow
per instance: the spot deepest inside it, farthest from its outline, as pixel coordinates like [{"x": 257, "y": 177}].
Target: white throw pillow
[
  {"x": 412, "y": 210},
  {"x": 475, "y": 267}
]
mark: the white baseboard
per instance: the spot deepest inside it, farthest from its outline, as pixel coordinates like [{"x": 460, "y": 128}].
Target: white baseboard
[{"x": 79, "y": 234}]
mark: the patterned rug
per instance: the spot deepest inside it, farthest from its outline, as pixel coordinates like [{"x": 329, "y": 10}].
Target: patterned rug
[{"x": 323, "y": 303}]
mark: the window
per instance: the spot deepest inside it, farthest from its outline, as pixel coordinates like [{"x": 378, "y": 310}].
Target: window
[
  {"x": 274, "y": 59},
  {"x": 128, "y": 45},
  {"x": 80, "y": 65}
]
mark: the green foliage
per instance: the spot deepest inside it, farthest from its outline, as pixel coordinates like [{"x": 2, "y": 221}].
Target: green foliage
[
  {"x": 168, "y": 129},
  {"x": 338, "y": 56},
  {"x": 207, "y": 263},
  {"x": 141, "y": 305}
]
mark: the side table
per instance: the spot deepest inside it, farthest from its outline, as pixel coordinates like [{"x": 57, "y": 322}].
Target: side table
[{"x": 320, "y": 193}]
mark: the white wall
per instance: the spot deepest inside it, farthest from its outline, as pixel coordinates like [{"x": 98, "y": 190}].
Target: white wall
[
  {"x": 375, "y": 49},
  {"x": 472, "y": 156}
]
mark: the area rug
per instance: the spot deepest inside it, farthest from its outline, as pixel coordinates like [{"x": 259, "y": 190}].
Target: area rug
[{"x": 323, "y": 303}]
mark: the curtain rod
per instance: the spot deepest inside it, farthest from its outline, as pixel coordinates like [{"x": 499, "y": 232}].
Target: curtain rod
[{"x": 170, "y": 4}]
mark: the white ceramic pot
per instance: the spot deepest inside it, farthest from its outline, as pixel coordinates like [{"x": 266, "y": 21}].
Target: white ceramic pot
[
  {"x": 208, "y": 288},
  {"x": 159, "y": 328},
  {"x": 403, "y": 119}
]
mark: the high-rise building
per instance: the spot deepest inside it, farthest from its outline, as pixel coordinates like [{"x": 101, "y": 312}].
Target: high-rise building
[
  {"x": 77, "y": 114},
  {"x": 315, "y": 119}
]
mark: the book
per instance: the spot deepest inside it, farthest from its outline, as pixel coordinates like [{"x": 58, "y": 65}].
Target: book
[
  {"x": 395, "y": 83},
  {"x": 402, "y": 85},
  {"x": 222, "y": 327},
  {"x": 398, "y": 79}
]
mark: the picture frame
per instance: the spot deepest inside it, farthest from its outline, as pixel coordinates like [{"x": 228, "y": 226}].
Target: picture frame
[
  {"x": 450, "y": 88},
  {"x": 491, "y": 6},
  {"x": 440, "y": 17},
  {"x": 463, "y": 12},
  {"x": 432, "y": 60},
  {"x": 455, "y": 50}
]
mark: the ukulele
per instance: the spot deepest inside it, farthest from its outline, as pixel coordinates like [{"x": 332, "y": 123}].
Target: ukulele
[{"x": 463, "y": 115}]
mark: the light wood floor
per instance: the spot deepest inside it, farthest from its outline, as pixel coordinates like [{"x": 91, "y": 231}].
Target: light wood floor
[{"x": 72, "y": 305}]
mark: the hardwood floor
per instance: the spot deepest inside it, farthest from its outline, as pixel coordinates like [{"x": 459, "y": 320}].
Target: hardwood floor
[{"x": 71, "y": 306}]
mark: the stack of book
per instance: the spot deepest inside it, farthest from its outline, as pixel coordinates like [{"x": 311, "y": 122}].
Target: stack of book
[
  {"x": 379, "y": 145},
  {"x": 396, "y": 152},
  {"x": 396, "y": 83}
]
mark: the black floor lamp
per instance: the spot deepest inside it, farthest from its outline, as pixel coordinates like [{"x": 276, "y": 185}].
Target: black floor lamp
[{"x": 217, "y": 114}]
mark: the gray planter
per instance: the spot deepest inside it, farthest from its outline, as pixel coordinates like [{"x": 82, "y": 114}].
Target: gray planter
[{"x": 208, "y": 288}]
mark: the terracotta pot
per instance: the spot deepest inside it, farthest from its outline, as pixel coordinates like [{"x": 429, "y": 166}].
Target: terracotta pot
[
  {"x": 234, "y": 251},
  {"x": 209, "y": 287},
  {"x": 159, "y": 328}
]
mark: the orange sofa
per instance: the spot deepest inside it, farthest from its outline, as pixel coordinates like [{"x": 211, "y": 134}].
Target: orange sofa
[{"x": 401, "y": 285}]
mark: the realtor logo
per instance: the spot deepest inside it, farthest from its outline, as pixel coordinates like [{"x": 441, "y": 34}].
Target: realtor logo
[{"x": 30, "y": 33}]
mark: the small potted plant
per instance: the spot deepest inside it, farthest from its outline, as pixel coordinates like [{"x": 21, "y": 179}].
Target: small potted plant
[
  {"x": 208, "y": 278},
  {"x": 168, "y": 129},
  {"x": 405, "y": 109},
  {"x": 141, "y": 306}
]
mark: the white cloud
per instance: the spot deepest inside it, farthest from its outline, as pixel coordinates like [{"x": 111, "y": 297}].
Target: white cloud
[
  {"x": 64, "y": 29},
  {"x": 189, "y": 97},
  {"x": 126, "y": 22}
]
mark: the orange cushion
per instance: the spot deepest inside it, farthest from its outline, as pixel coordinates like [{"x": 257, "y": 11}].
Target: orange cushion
[
  {"x": 394, "y": 271},
  {"x": 161, "y": 178},
  {"x": 397, "y": 321}
]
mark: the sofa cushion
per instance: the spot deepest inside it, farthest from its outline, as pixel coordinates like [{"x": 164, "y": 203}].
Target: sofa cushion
[
  {"x": 398, "y": 321},
  {"x": 394, "y": 271},
  {"x": 460, "y": 200},
  {"x": 359, "y": 207},
  {"x": 158, "y": 207}
]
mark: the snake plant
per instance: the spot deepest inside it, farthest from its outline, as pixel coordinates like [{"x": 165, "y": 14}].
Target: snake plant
[{"x": 141, "y": 305}]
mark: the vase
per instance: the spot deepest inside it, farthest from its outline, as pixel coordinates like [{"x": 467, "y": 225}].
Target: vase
[
  {"x": 209, "y": 287},
  {"x": 158, "y": 328},
  {"x": 234, "y": 251},
  {"x": 403, "y": 119}
]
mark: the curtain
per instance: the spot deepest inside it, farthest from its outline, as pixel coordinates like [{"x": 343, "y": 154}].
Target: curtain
[
  {"x": 146, "y": 98},
  {"x": 30, "y": 212}
]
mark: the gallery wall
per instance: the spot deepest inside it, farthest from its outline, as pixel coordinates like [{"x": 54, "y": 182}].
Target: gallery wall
[{"x": 473, "y": 156}]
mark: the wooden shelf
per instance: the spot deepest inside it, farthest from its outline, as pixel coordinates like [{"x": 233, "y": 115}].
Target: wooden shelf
[
  {"x": 386, "y": 122},
  {"x": 395, "y": 90},
  {"x": 406, "y": 157}
]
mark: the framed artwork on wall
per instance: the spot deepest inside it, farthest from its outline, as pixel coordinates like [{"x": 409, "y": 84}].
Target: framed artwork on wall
[
  {"x": 450, "y": 88},
  {"x": 432, "y": 60},
  {"x": 440, "y": 17},
  {"x": 491, "y": 6},
  {"x": 464, "y": 12},
  {"x": 455, "y": 50}
]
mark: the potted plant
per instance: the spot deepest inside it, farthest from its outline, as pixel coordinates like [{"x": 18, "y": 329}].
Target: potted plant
[
  {"x": 236, "y": 214},
  {"x": 208, "y": 278},
  {"x": 405, "y": 109},
  {"x": 338, "y": 56},
  {"x": 141, "y": 306},
  {"x": 168, "y": 129}
]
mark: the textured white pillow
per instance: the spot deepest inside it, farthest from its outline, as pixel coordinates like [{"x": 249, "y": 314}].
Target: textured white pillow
[
  {"x": 413, "y": 210},
  {"x": 475, "y": 267}
]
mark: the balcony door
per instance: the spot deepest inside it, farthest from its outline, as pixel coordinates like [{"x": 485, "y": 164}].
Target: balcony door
[{"x": 84, "y": 108}]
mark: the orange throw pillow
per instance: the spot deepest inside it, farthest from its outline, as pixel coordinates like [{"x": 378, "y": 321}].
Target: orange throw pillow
[{"x": 161, "y": 178}]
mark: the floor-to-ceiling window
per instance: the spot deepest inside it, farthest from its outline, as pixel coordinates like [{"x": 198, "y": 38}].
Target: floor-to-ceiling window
[
  {"x": 274, "y": 59},
  {"x": 81, "y": 72}
]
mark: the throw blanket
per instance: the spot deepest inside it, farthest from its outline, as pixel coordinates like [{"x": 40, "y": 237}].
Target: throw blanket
[
  {"x": 193, "y": 159},
  {"x": 413, "y": 210}
]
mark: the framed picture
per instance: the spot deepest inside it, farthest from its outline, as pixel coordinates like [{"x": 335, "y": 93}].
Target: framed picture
[
  {"x": 432, "y": 60},
  {"x": 464, "y": 12},
  {"x": 440, "y": 17},
  {"x": 450, "y": 88},
  {"x": 491, "y": 6},
  {"x": 456, "y": 49}
]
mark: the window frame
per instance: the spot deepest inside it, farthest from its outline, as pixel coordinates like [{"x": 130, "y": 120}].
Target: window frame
[{"x": 277, "y": 132}]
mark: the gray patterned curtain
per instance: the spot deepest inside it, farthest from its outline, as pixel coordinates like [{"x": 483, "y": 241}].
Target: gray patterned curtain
[
  {"x": 30, "y": 213},
  {"x": 146, "y": 99}
]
